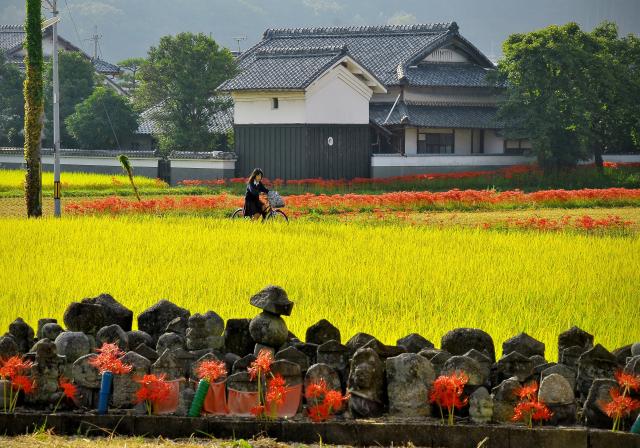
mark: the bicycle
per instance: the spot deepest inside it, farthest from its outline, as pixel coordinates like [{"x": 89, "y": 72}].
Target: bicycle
[{"x": 271, "y": 213}]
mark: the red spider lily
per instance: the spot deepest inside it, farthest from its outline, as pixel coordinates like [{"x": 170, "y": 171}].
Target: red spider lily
[
  {"x": 153, "y": 390},
  {"x": 627, "y": 381},
  {"x": 108, "y": 360},
  {"x": 447, "y": 391},
  {"x": 319, "y": 413},
  {"x": 531, "y": 410},
  {"x": 276, "y": 388},
  {"x": 23, "y": 383},
  {"x": 14, "y": 366},
  {"x": 211, "y": 370},
  {"x": 334, "y": 399},
  {"x": 69, "y": 391},
  {"x": 528, "y": 391},
  {"x": 258, "y": 411},
  {"x": 620, "y": 406},
  {"x": 261, "y": 366},
  {"x": 316, "y": 389}
]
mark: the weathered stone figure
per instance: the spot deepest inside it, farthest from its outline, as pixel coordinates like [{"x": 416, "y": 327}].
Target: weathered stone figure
[{"x": 366, "y": 384}]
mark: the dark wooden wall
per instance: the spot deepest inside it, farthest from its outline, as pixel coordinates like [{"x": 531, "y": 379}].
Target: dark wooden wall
[{"x": 302, "y": 151}]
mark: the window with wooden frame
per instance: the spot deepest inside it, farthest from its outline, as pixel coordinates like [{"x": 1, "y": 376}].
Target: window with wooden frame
[
  {"x": 514, "y": 147},
  {"x": 436, "y": 141}
]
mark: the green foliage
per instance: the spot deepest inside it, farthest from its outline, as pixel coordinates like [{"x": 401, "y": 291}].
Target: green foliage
[
  {"x": 180, "y": 76},
  {"x": 11, "y": 104},
  {"x": 129, "y": 78},
  {"x": 77, "y": 80},
  {"x": 33, "y": 108},
  {"x": 126, "y": 166},
  {"x": 570, "y": 92},
  {"x": 98, "y": 117}
]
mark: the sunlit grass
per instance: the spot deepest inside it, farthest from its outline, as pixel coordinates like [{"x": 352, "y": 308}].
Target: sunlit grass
[
  {"x": 388, "y": 281},
  {"x": 12, "y": 180}
]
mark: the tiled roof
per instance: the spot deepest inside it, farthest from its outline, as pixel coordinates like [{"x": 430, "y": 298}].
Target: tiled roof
[
  {"x": 482, "y": 117},
  {"x": 378, "y": 48},
  {"x": 284, "y": 68},
  {"x": 11, "y": 36},
  {"x": 221, "y": 123},
  {"x": 202, "y": 155},
  {"x": 448, "y": 75},
  {"x": 105, "y": 67}
]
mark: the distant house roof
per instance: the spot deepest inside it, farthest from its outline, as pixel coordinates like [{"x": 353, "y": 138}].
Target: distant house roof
[
  {"x": 12, "y": 38},
  {"x": 221, "y": 123},
  {"x": 434, "y": 116},
  {"x": 284, "y": 68},
  {"x": 388, "y": 52}
]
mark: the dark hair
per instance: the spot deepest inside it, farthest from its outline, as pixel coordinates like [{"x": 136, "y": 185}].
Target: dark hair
[{"x": 254, "y": 174}]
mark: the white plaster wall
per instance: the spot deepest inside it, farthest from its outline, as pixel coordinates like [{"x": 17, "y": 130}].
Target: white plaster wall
[
  {"x": 462, "y": 141},
  {"x": 446, "y": 55},
  {"x": 493, "y": 144},
  {"x": 410, "y": 141},
  {"x": 255, "y": 108},
  {"x": 448, "y": 160},
  {"x": 338, "y": 98}
]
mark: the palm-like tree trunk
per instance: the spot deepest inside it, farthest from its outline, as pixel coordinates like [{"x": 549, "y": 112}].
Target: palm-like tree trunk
[{"x": 33, "y": 108}]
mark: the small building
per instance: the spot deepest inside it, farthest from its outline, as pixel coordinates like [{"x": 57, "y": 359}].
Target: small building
[
  {"x": 12, "y": 38},
  {"x": 345, "y": 102}
]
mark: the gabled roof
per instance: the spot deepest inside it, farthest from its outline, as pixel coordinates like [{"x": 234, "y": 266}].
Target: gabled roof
[
  {"x": 295, "y": 68},
  {"x": 384, "y": 51},
  {"x": 433, "y": 116},
  {"x": 12, "y": 38}
]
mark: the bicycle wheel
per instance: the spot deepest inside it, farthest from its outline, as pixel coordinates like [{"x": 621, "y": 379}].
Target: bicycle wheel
[
  {"x": 237, "y": 214},
  {"x": 277, "y": 216}
]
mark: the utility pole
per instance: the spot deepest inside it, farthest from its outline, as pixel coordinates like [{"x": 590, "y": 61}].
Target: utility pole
[
  {"x": 53, "y": 22},
  {"x": 95, "y": 38}
]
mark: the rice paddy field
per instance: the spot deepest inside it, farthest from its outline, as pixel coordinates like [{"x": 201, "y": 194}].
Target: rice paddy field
[{"x": 386, "y": 280}]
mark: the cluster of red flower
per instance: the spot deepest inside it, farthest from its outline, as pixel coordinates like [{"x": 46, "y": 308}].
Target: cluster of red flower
[
  {"x": 584, "y": 222},
  {"x": 529, "y": 408},
  {"x": 15, "y": 370},
  {"x": 323, "y": 402},
  {"x": 108, "y": 360},
  {"x": 276, "y": 386},
  {"x": 447, "y": 391},
  {"x": 402, "y": 200},
  {"x": 154, "y": 389},
  {"x": 621, "y": 404},
  {"x": 211, "y": 370}
]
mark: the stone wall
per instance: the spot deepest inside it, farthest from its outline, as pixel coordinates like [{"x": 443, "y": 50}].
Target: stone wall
[{"x": 382, "y": 380}]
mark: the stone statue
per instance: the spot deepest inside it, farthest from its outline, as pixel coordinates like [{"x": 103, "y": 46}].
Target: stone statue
[{"x": 366, "y": 384}]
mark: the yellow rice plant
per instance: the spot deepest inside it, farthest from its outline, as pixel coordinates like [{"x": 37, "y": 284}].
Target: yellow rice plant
[
  {"x": 14, "y": 180},
  {"x": 384, "y": 280}
]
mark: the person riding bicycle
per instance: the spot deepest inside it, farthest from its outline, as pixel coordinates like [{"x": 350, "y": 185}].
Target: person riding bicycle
[{"x": 253, "y": 206}]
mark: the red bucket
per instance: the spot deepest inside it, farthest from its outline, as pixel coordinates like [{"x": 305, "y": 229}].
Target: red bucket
[
  {"x": 240, "y": 403},
  {"x": 216, "y": 400},
  {"x": 170, "y": 405}
]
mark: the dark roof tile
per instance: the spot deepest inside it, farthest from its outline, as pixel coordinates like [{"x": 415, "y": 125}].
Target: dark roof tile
[{"x": 461, "y": 117}]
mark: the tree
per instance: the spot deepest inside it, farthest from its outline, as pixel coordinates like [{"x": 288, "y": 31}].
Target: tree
[
  {"x": 77, "y": 80},
  {"x": 180, "y": 77},
  {"x": 102, "y": 120},
  {"x": 11, "y": 104},
  {"x": 129, "y": 78},
  {"x": 615, "y": 83},
  {"x": 548, "y": 94},
  {"x": 574, "y": 94},
  {"x": 33, "y": 108}
]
